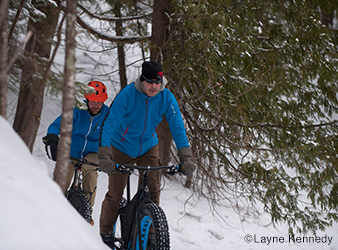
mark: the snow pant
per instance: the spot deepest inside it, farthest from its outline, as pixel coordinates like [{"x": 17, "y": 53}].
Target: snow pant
[
  {"x": 118, "y": 181},
  {"x": 89, "y": 177}
]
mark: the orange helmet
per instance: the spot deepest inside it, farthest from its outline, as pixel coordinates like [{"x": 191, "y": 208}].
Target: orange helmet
[{"x": 100, "y": 94}]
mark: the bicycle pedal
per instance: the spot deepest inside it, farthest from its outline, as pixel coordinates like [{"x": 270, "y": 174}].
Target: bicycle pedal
[{"x": 109, "y": 240}]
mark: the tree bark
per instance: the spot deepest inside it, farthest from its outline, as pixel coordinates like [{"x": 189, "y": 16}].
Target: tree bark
[
  {"x": 68, "y": 99},
  {"x": 120, "y": 46},
  {"x": 27, "y": 117},
  {"x": 327, "y": 19},
  {"x": 160, "y": 24},
  {"x": 4, "y": 4}
]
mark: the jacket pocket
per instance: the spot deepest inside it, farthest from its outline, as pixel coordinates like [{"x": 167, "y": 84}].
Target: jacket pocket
[{"x": 125, "y": 132}]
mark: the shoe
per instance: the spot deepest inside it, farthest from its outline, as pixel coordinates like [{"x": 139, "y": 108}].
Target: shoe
[
  {"x": 92, "y": 222},
  {"x": 109, "y": 240},
  {"x": 151, "y": 241}
]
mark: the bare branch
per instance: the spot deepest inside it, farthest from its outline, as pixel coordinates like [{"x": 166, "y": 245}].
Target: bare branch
[
  {"x": 119, "y": 39},
  {"x": 17, "y": 52},
  {"x": 16, "y": 19},
  {"x": 112, "y": 19}
]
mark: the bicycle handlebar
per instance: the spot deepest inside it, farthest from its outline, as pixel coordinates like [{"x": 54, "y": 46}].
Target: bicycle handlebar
[
  {"x": 173, "y": 169},
  {"x": 130, "y": 168},
  {"x": 84, "y": 161}
]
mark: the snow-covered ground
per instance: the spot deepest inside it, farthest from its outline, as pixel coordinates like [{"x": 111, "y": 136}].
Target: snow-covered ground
[{"x": 35, "y": 215}]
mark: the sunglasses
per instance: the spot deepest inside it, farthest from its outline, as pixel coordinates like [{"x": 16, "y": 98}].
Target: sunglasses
[{"x": 158, "y": 81}]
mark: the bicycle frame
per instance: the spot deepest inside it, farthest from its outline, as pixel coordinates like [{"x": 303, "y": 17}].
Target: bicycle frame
[
  {"x": 146, "y": 169},
  {"x": 77, "y": 181},
  {"x": 75, "y": 194},
  {"x": 144, "y": 198}
]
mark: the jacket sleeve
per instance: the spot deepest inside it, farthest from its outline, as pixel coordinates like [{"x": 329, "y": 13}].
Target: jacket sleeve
[
  {"x": 54, "y": 127},
  {"x": 176, "y": 125}
]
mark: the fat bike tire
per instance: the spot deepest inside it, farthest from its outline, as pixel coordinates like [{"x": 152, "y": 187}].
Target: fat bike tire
[
  {"x": 81, "y": 203},
  {"x": 152, "y": 216},
  {"x": 119, "y": 225}
]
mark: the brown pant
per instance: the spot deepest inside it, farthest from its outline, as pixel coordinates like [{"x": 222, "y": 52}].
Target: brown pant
[
  {"x": 89, "y": 177},
  {"x": 118, "y": 181}
]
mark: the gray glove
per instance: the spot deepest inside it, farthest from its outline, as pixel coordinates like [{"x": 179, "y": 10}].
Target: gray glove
[
  {"x": 187, "y": 164},
  {"x": 105, "y": 156}
]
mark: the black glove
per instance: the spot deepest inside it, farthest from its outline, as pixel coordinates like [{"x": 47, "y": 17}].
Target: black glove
[
  {"x": 106, "y": 162},
  {"x": 51, "y": 141},
  {"x": 187, "y": 166}
]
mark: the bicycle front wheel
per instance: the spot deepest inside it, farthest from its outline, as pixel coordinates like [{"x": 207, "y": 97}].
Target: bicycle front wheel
[
  {"x": 154, "y": 230},
  {"x": 81, "y": 203}
]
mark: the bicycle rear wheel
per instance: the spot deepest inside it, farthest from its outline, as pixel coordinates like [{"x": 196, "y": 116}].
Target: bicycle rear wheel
[
  {"x": 152, "y": 221},
  {"x": 81, "y": 203},
  {"x": 118, "y": 226}
]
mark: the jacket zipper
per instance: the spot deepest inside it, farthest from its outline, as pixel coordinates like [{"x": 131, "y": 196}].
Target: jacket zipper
[
  {"x": 145, "y": 123},
  {"x": 85, "y": 144}
]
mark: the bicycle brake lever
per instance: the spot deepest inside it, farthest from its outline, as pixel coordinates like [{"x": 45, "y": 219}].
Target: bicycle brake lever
[
  {"x": 122, "y": 169},
  {"x": 173, "y": 170}
]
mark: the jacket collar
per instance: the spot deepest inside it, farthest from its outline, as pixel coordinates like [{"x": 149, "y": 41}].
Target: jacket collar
[{"x": 139, "y": 86}]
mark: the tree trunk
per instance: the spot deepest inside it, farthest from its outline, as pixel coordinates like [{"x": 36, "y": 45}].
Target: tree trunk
[
  {"x": 3, "y": 56},
  {"x": 120, "y": 47},
  {"x": 327, "y": 19},
  {"x": 160, "y": 24},
  {"x": 68, "y": 99},
  {"x": 27, "y": 117}
]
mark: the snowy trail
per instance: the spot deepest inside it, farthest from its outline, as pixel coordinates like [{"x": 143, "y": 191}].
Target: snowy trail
[{"x": 32, "y": 203}]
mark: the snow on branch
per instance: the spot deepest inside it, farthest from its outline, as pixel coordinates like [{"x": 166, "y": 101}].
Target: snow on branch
[
  {"x": 112, "y": 19},
  {"x": 120, "y": 39}
]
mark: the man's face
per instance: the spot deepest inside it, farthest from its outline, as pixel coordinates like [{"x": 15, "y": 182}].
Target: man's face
[
  {"x": 151, "y": 89},
  {"x": 95, "y": 107}
]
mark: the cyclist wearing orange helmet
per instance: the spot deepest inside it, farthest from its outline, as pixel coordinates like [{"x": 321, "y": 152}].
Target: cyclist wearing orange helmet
[
  {"x": 85, "y": 136},
  {"x": 95, "y": 100}
]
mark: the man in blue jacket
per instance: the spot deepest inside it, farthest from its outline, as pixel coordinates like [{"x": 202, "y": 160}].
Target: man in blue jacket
[
  {"x": 129, "y": 137},
  {"x": 85, "y": 137}
]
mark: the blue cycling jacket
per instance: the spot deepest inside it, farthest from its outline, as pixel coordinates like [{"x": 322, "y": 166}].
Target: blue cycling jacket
[
  {"x": 86, "y": 131},
  {"x": 133, "y": 118}
]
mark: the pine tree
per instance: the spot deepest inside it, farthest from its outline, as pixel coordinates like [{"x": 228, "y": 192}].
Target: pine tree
[{"x": 258, "y": 84}]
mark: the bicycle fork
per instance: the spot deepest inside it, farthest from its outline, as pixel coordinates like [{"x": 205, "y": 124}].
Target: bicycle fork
[{"x": 77, "y": 178}]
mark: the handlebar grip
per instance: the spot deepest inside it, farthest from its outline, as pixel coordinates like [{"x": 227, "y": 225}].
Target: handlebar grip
[{"x": 122, "y": 169}]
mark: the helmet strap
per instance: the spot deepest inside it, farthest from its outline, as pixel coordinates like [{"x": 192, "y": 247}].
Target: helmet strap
[{"x": 90, "y": 112}]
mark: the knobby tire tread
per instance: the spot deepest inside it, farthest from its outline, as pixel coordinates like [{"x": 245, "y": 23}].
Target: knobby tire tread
[
  {"x": 81, "y": 203},
  {"x": 159, "y": 223}
]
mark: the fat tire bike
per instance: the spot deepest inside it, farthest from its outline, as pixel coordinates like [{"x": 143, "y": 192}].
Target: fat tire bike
[
  {"x": 75, "y": 194},
  {"x": 141, "y": 224}
]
